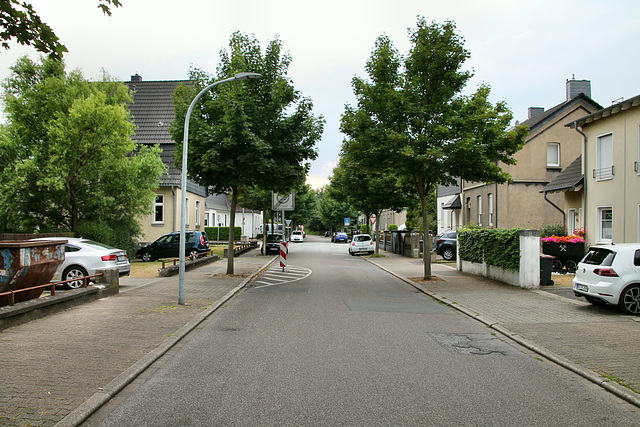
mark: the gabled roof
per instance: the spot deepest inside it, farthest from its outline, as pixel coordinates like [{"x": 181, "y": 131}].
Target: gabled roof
[
  {"x": 541, "y": 119},
  {"x": 569, "y": 179},
  {"x": 453, "y": 203},
  {"x": 606, "y": 112},
  {"x": 153, "y": 112}
]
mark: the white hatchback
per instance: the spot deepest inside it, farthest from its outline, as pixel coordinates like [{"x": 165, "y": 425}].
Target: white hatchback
[
  {"x": 296, "y": 236},
  {"x": 362, "y": 243},
  {"x": 82, "y": 257},
  {"x": 610, "y": 274}
]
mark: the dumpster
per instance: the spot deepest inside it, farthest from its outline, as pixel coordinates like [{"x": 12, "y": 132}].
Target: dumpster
[
  {"x": 546, "y": 266},
  {"x": 25, "y": 263}
]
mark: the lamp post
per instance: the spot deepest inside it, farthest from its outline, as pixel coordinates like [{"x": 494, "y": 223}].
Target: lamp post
[{"x": 183, "y": 181}]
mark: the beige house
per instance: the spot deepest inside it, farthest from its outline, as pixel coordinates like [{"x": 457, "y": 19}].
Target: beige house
[
  {"x": 153, "y": 113},
  {"x": 549, "y": 148},
  {"x": 610, "y": 198}
]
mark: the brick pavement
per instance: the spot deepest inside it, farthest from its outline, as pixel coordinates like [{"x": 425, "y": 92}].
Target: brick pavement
[
  {"x": 50, "y": 366},
  {"x": 600, "y": 339}
]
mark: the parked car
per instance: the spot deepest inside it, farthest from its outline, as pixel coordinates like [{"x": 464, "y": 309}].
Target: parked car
[
  {"x": 446, "y": 245},
  {"x": 168, "y": 246},
  {"x": 82, "y": 257},
  {"x": 273, "y": 243},
  {"x": 297, "y": 236},
  {"x": 341, "y": 237},
  {"x": 610, "y": 274},
  {"x": 361, "y": 243}
]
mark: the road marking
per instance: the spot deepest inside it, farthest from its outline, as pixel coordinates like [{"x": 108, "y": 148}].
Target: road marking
[{"x": 275, "y": 276}]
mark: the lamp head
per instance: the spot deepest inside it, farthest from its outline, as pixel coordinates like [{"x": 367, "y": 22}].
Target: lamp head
[{"x": 246, "y": 76}]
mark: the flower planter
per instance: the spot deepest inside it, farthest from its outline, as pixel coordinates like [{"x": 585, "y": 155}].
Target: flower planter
[{"x": 567, "y": 254}]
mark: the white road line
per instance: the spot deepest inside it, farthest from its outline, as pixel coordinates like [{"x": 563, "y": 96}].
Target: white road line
[{"x": 275, "y": 276}]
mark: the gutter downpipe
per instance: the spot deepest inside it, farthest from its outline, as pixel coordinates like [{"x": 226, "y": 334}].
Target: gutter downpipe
[
  {"x": 564, "y": 215},
  {"x": 584, "y": 175}
]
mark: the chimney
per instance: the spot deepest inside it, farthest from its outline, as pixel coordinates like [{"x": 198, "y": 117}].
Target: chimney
[
  {"x": 136, "y": 78},
  {"x": 535, "y": 111},
  {"x": 576, "y": 87}
]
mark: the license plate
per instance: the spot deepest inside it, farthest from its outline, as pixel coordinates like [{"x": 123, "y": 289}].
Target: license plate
[
  {"x": 583, "y": 288},
  {"x": 122, "y": 258}
]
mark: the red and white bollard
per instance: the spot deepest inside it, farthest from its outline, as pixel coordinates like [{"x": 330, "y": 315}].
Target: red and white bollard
[{"x": 283, "y": 255}]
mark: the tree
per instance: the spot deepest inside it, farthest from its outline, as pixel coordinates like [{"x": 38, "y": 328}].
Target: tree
[
  {"x": 431, "y": 132},
  {"x": 65, "y": 152},
  {"x": 19, "y": 21},
  {"x": 333, "y": 208},
  {"x": 256, "y": 133}
]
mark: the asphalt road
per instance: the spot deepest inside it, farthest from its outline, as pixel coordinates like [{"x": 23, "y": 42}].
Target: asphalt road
[{"x": 333, "y": 340}]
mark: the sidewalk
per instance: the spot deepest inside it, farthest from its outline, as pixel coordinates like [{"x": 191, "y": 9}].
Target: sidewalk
[
  {"x": 73, "y": 361},
  {"x": 599, "y": 343}
]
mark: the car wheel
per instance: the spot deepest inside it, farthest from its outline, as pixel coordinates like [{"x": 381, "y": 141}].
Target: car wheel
[
  {"x": 74, "y": 272},
  {"x": 192, "y": 253},
  {"x": 594, "y": 301},
  {"x": 630, "y": 300},
  {"x": 147, "y": 257},
  {"x": 448, "y": 254}
]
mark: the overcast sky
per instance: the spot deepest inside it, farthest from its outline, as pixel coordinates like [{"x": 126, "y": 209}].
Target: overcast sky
[{"x": 524, "y": 50}]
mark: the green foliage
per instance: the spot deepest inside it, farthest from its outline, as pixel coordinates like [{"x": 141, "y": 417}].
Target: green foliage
[
  {"x": 20, "y": 22},
  {"x": 497, "y": 247},
  {"x": 392, "y": 227},
  {"x": 212, "y": 233},
  {"x": 412, "y": 110},
  {"x": 548, "y": 230},
  {"x": 121, "y": 236},
  {"x": 65, "y": 152}
]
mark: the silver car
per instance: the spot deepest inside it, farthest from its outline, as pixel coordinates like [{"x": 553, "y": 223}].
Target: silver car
[
  {"x": 82, "y": 257},
  {"x": 362, "y": 243}
]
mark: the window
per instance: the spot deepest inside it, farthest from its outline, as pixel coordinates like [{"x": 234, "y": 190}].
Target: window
[
  {"x": 553, "y": 155},
  {"x": 197, "y": 213},
  {"x": 480, "y": 210},
  {"x": 490, "y": 202},
  {"x": 158, "y": 209},
  {"x": 468, "y": 204},
  {"x": 571, "y": 221},
  {"x": 206, "y": 219},
  {"x": 604, "y": 158},
  {"x": 605, "y": 224}
]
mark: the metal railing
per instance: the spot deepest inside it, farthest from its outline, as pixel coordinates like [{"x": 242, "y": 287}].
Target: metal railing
[
  {"x": 51, "y": 285},
  {"x": 175, "y": 261}
]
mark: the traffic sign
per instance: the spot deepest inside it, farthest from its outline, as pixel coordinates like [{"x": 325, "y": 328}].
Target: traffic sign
[
  {"x": 281, "y": 202},
  {"x": 347, "y": 221},
  {"x": 372, "y": 219}
]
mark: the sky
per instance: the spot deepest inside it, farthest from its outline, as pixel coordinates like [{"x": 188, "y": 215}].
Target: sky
[{"x": 524, "y": 50}]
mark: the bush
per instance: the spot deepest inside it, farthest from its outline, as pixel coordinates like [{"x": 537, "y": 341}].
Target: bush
[
  {"x": 548, "y": 230},
  {"x": 496, "y": 247},
  {"x": 121, "y": 236},
  {"x": 212, "y": 233},
  {"x": 392, "y": 227}
]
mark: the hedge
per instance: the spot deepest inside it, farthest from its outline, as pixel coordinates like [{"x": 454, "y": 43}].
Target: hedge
[
  {"x": 212, "y": 233},
  {"x": 495, "y": 246}
]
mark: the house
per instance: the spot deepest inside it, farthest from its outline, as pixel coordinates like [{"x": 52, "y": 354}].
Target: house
[
  {"x": 217, "y": 213},
  {"x": 153, "y": 113},
  {"x": 550, "y": 147},
  {"x": 449, "y": 207},
  {"x": 610, "y": 169}
]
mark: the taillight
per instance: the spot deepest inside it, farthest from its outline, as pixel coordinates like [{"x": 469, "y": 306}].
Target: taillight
[
  {"x": 202, "y": 240},
  {"x": 606, "y": 272},
  {"x": 353, "y": 243},
  {"x": 371, "y": 242},
  {"x": 109, "y": 257}
]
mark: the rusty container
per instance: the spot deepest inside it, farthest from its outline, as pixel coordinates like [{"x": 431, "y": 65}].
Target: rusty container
[{"x": 26, "y": 263}]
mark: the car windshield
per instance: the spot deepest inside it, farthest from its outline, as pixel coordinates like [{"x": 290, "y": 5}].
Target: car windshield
[
  {"x": 274, "y": 238},
  {"x": 362, "y": 238},
  {"x": 599, "y": 256},
  {"x": 297, "y": 232},
  {"x": 97, "y": 245}
]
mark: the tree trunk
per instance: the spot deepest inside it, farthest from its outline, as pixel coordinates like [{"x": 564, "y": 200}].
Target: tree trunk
[
  {"x": 426, "y": 240},
  {"x": 232, "y": 226},
  {"x": 377, "y": 232}
]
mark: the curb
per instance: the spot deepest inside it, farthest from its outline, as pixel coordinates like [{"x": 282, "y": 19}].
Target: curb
[
  {"x": 95, "y": 402},
  {"x": 611, "y": 386}
]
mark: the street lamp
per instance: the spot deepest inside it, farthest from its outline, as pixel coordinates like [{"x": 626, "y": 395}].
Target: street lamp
[{"x": 183, "y": 181}]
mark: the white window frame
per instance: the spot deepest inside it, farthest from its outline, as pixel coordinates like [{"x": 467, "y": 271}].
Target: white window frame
[
  {"x": 490, "y": 202},
  {"x": 600, "y": 210},
  {"x": 604, "y": 169},
  {"x": 553, "y": 163},
  {"x": 480, "y": 211},
  {"x": 158, "y": 205},
  {"x": 197, "y": 213},
  {"x": 571, "y": 221}
]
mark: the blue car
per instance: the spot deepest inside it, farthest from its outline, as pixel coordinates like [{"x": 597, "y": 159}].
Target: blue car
[{"x": 341, "y": 237}]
